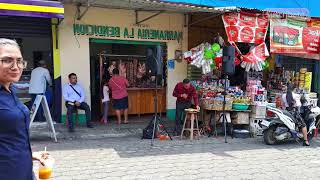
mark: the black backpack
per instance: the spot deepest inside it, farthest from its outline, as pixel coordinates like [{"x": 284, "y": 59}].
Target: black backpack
[{"x": 148, "y": 131}]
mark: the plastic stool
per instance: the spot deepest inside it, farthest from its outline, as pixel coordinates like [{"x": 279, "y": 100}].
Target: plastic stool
[
  {"x": 76, "y": 114},
  {"x": 193, "y": 119}
]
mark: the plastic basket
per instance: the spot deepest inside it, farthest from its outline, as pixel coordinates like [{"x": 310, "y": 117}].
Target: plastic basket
[
  {"x": 255, "y": 129},
  {"x": 259, "y": 111}
]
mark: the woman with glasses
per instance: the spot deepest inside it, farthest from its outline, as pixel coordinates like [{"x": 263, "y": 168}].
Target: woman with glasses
[{"x": 15, "y": 150}]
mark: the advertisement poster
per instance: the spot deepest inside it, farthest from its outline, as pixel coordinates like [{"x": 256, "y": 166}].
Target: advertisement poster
[
  {"x": 297, "y": 36},
  {"x": 171, "y": 64},
  {"x": 246, "y": 27}
]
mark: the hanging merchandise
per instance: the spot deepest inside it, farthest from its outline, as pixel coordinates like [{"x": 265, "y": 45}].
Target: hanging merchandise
[
  {"x": 195, "y": 56},
  {"x": 215, "y": 47},
  {"x": 218, "y": 39},
  {"x": 208, "y": 54},
  {"x": 255, "y": 58},
  {"x": 218, "y": 60},
  {"x": 265, "y": 65},
  {"x": 204, "y": 56}
]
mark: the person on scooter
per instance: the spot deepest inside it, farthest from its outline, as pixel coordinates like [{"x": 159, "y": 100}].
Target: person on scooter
[{"x": 291, "y": 102}]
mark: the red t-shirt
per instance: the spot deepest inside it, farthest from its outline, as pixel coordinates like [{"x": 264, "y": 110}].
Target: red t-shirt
[
  {"x": 191, "y": 92},
  {"x": 118, "y": 86}
]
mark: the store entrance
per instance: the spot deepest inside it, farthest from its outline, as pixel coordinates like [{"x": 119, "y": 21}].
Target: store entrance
[
  {"x": 131, "y": 58},
  {"x": 35, "y": 39}
]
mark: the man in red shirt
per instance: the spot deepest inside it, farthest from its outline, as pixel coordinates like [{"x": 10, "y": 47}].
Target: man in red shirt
[{"x": 184, "y": 92}]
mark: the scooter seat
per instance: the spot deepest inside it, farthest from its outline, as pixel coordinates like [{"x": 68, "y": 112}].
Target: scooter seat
[{"x": 287, "y": 113}]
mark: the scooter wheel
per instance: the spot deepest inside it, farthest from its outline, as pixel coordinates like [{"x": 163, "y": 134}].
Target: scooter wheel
[{"x": 269, "y": 135}]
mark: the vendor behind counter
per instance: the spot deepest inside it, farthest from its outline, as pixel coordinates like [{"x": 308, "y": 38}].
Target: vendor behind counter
[{"x": 239, "y": 78}]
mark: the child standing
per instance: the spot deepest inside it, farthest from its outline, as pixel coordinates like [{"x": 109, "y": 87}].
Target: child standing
[{"x": 105, "y": 102}]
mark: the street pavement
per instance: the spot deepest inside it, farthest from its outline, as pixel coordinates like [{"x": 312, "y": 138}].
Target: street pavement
[{"x": 118, "y": 153}]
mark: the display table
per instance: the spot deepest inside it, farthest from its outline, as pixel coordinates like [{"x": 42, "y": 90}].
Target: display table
[{"x": 214, "y": 112}]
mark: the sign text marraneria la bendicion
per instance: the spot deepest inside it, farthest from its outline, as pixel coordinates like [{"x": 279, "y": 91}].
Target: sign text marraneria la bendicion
[{"x": 131, "y": 33}]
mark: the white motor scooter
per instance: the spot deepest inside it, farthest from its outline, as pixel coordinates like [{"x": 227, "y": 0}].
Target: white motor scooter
[{"x": 282, "y": 125}]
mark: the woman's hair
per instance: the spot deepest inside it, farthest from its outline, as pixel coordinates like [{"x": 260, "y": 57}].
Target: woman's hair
[
  {"x": 105, "y": 82},
  {"x": 115, "y": 71},
  {"x": 289, "y": 96},
  {"x": 4, "y": 42}
]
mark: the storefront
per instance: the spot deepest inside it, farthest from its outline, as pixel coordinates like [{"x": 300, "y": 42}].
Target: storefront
[
  {"x": 104, "y": 36},
  {"x": 265, "y": 64},
  {"x": 33, "y": 25}
]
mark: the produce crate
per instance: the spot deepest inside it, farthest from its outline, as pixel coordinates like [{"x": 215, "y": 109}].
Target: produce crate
[
  {"x": 255, "y": 129},
  {"x": 216, "y": 104},
  {"x": 240, "y": 118},
  {"x": 258, "y": 111},
  {"x": 313, "y": 102}
]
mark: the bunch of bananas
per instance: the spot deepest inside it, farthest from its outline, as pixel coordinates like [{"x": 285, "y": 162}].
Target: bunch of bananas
[{"x": 242, "y": 100}]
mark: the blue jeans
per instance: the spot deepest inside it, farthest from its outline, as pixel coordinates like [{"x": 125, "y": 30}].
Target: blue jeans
[
  {"x": 39, "y": 116},
  {"x": 180, "y": 107}
]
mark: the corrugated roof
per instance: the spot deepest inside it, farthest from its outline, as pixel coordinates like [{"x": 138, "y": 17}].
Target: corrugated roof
[
  {"x": 291, "y": 7},
  {"x": 148, "y": 5}
]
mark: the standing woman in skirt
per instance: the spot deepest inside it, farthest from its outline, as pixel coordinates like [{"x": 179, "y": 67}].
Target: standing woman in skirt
[
  {"x": 118, "y": 85},
  {"x": 15, "y": 150}
]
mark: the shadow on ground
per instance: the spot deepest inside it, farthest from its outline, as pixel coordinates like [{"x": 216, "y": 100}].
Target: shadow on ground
[{"x": 126, "y": 141}]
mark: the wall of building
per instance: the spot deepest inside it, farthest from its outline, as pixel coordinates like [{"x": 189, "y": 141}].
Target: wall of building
[{"x": 74, "y": 49}]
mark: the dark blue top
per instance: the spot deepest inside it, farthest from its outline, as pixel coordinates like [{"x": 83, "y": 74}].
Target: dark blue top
[{"x": 15, "y": 150}]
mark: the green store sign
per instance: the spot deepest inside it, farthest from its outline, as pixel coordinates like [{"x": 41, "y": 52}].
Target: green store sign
[{"x": 130, "y": 33}]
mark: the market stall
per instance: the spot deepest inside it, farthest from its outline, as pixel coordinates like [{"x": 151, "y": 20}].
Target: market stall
[
  {"x": 245, "y": 94},
  {"x": 266, "y": 77},
  {"x": 138, "y": 64}
]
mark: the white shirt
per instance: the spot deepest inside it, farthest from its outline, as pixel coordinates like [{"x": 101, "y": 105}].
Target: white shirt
[
  {"x": 70, "y": 94},
  {"x": 38, "y": 82},
  {"x": 296, "y": 98},
  {"x": 105, "y": 94}
]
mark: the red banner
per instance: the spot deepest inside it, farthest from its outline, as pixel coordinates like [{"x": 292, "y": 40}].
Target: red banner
[
  {"x": 296, "y": 36},
  {"x": 246, "y": 27},
  {"x": 258, "y": 53}
]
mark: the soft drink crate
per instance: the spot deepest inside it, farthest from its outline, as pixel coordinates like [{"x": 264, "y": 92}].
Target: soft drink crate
[
  {"x": 255, "y": 129},
  {"x": 313, "y": 101},
  {"x": 258, "y": 111}
]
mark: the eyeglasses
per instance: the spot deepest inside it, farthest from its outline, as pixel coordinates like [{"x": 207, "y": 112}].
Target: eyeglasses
[{"x": 8, "y": 62}]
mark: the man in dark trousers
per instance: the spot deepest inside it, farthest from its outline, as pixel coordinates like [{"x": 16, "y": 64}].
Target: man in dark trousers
[
  {"x": 184, "y": 92},
  {"x": 74, "y": 97}
]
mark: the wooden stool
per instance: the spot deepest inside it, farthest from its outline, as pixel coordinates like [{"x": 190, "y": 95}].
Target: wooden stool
[{"x": 193, "y": 117}]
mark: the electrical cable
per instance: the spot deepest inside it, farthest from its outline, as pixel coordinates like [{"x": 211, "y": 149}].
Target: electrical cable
[{"x": 74, "y": 22}]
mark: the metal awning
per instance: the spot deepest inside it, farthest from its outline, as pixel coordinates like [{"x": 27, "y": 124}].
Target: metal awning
[
  {"x": 290, "y": 7},
  {"x": 144, "y": 5},
  {"x": 33, "y": 8}
]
